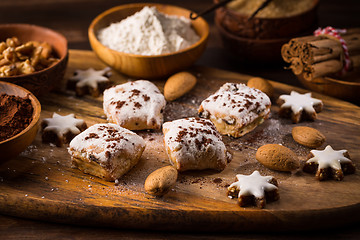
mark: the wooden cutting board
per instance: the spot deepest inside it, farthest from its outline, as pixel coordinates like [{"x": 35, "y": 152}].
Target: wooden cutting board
[{"x": 40, "y": 183}]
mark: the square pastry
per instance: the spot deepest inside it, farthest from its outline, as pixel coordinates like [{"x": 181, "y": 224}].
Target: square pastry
[
  {"x": 236, "y": 109},
  {"x": 194, "y": 144},
  {"x": 106, "y": 150},
  {"x": 135, "y": 105}
]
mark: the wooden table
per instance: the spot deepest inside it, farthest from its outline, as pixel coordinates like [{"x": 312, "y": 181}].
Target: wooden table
[{"x": 72, "y": 19}]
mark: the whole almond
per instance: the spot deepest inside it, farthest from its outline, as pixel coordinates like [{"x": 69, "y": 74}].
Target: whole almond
[
  {"x": 261, "y": 84},
  {"x": 307, "y": 136},
  {"x": 161, "y": 181},
  {"x": 277, "y": 157},
  {"x": 178, "y": 84}
]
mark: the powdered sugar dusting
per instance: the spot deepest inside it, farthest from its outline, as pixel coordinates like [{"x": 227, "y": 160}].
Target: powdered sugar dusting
[
  {"x": 188, "y": 139},
  {"x": 236, "y": 102},
  {"x": 135, "y": 100},
  {"x": 105, "y": 141}
]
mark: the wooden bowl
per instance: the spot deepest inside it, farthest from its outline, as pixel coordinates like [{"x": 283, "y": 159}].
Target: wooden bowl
[
  {"x": 11, "y": 147},
  {"x": 148, "y": 67},
  {"x": 346, "y": 90},
  {"x": 266, "y": 28},
  {"x": 39, "y": 82},
  {"x": 248, "y": 49}
]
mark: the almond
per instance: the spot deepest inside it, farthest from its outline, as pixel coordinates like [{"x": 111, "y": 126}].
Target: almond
[
  {"x": 161, "y": 181},
  {"x": 261, "y": 84},
  {"x": 178, "y": 84},
  {"x": 307, "y": 136},
  {"x": 277, "y": 157}
]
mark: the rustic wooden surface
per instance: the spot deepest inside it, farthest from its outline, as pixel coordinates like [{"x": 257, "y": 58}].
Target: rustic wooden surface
[
  {"x": 40, "y": 184},
  {"x": 72, "y": 18}
]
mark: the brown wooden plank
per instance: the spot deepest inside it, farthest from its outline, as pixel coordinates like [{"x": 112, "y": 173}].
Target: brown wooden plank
[{"x": 40, "y": 184}]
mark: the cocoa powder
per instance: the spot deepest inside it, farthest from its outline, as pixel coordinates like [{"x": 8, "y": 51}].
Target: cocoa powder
[{"x": 15, "y": 115}]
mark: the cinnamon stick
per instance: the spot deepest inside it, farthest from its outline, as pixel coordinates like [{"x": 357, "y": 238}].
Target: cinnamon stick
[
  {"x": 296, "y": 65},
  {"x": 285, "y": 53},
  {"x": 322, "y": 69},
  {"x": 294, "y": 48},
  {"x": 321, "y": 50},
  {"x": 318, "y": 56},
  {"x": 296, "y": 44}
]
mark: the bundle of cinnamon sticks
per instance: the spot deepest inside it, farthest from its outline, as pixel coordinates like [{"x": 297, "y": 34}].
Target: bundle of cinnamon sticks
[{"x": 323, "y": 55}]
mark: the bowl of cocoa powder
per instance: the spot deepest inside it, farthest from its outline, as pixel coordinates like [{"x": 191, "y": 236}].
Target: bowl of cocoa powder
[{"x": 19, "y": 119}]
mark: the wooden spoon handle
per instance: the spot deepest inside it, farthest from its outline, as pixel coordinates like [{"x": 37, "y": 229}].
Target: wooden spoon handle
[{"x": 194, "y": 16}]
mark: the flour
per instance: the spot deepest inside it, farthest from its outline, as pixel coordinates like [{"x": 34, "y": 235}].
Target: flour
[{"x": 149, "y": 32}]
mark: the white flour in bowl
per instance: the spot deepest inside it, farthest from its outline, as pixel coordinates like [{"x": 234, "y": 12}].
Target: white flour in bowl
[{"x": 149, "y": 32}]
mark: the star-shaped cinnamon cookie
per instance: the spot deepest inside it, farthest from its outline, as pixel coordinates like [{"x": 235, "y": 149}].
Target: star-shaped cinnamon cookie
[
  {"x": 299, "y": 106},
  {"x": 329, "y": 163},
  {"x": 254, "y": 189},
  {"x": 61, "y": 129},
  {"x": 89, "y": 81}
]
